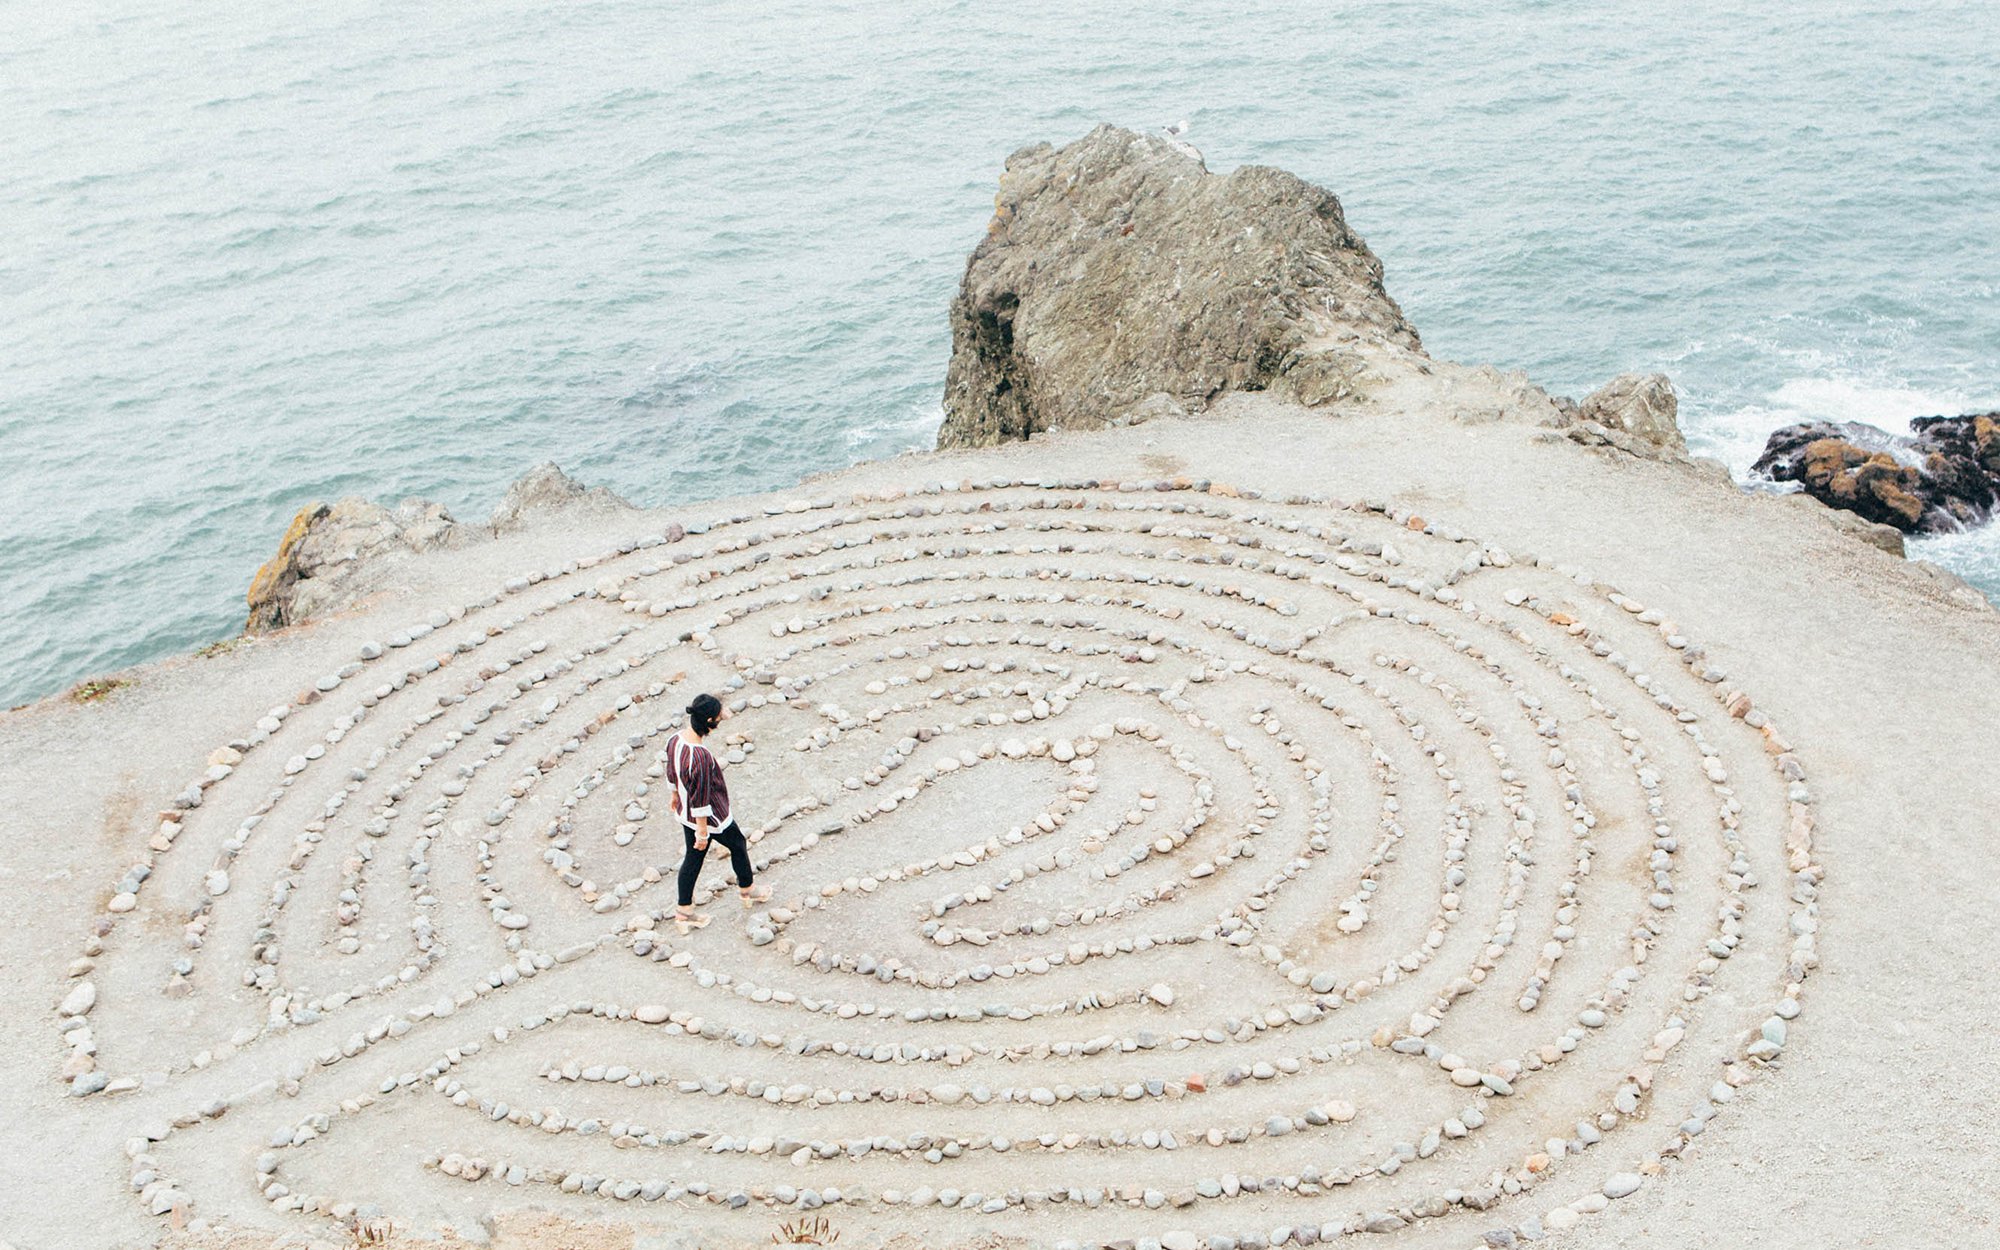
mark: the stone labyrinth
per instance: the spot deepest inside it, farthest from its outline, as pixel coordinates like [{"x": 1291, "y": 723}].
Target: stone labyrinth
[{"x": 1153, "y": 861}]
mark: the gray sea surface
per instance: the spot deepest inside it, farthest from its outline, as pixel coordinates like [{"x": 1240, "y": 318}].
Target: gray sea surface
[{"x": 257, "y": 255}]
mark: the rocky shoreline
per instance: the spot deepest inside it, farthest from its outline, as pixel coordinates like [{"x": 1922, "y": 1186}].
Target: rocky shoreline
[{"x": 1120, "y": 282}]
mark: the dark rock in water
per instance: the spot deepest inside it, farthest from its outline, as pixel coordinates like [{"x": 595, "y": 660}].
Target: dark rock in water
[
  {"x": 1848, "y": 466},
  {"x": 1963, "y": 455},
  {"x": 1120, "y": 280},
  {"x": 1943, "y": 477}
]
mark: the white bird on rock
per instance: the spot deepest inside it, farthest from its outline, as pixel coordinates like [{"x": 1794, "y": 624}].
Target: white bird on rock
[{"x": 1174, "y": 133}]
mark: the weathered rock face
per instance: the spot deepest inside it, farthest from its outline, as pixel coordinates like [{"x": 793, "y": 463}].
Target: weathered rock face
[
  {"x": 1944, "y": 477},
  {"x": 327, "y": 546},
  {"x": 333, "y": 554},
  {"x": 546, "y": 487},
  {"x": 1639, "y": 404},
  {"x": 1120, "y": 280}
]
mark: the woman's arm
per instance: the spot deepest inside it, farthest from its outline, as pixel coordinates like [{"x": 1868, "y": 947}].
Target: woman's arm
[
  {"x": 703, "y": 780},
  {"x": 673, "y": 780}
]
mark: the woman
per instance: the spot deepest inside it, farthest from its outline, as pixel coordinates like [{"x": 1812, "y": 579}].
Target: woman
[{"x": 701, "y": 800}]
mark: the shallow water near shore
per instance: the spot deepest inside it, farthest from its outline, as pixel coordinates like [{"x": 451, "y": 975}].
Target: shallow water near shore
[{"x": 261, "y": 257}]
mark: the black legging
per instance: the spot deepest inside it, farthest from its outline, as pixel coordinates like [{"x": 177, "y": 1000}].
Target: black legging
[{"x": 739, "y": 858}]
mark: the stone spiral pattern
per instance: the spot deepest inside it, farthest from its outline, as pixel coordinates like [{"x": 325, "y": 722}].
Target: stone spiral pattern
[{"x": 1151, "y": 861}]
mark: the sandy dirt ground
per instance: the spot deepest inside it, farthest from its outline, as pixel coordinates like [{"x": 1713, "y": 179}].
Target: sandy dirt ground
[{"x": 1412, "y": 848}]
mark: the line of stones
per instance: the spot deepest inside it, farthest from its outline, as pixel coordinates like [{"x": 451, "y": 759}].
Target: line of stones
[
  {"x": 79, "y": 1001},
  {"x": 1764, "y": 1042},
  {"x": 610, "y": 586},
  {"x": 297, "y": 765}
]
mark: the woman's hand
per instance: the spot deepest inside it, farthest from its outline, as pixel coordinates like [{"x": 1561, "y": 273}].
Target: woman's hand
[{"x": 701, "y": 833}]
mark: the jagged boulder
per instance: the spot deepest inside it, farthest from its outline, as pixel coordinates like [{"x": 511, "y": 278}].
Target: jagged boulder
[
  {"x": 1642, "y": 405},
  {"x": 1943, "y": 477},
  {"x": 327, "y": 546},
  {"x": 1120, "y": 280},
  {"x": 547, "y": 488}
]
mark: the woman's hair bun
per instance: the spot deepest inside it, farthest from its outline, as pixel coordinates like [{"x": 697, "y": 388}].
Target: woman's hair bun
[{"x": 704, "y": 713}]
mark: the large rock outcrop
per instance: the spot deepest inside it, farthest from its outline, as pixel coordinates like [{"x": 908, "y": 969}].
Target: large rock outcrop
[
  {"x": 1120, "y": 280},
  {"x": 1945, "y": 476},
  {"x": 334, "y": 554}
]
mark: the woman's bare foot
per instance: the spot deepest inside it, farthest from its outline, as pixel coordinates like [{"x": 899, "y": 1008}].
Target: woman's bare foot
[{"x": 754, "y": 894}]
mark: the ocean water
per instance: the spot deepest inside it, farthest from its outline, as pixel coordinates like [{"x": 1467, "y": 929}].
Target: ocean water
[{"x": 251, "y": 256}]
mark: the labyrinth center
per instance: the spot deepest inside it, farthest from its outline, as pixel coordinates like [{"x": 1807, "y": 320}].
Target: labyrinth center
[{"x": 1150, "y": 861}]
